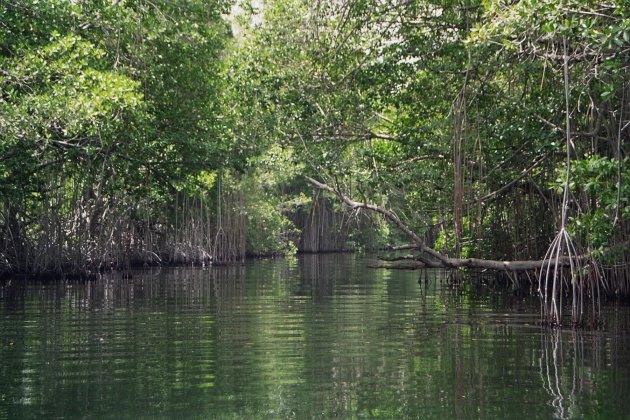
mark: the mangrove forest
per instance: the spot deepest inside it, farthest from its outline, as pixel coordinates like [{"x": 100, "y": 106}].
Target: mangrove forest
[
  {"x": 314, "y": 209},
  {"x": 485, "y": 136}
]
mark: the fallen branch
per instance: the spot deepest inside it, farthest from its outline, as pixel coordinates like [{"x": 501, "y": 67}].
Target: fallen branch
[
  {"x": 400, "y": 258},
  {"x": 388, "y": 214},
  {"x": 415, "y": 266},
  {"x": 430, "y": 258},
  {"x": 401, "y": 247}
]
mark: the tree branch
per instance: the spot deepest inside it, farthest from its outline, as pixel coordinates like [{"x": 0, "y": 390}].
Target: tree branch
[
  {"x": 389, "y": 215},
  {"x": 416, "y": 266},
  {"x": 433, "y": 259},
  {"x": 400, "y": 258},
  {"x": 520, "y": 176}
]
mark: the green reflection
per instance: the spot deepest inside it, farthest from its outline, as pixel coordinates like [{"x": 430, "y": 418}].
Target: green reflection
[{"x": 318, "y": 337}]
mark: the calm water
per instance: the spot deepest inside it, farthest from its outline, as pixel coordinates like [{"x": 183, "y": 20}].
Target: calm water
[{"x": 311, "y": 337}]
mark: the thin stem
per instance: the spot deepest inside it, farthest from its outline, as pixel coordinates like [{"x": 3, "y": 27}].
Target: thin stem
[{"x": 565, "y": 198}]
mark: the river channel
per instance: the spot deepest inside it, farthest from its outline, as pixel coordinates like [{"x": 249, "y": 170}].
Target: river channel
[{"x": 315, "y": 336}]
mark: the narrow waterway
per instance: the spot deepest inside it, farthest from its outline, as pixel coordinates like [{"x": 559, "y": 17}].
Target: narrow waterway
[{"x": 308, "y": 337}]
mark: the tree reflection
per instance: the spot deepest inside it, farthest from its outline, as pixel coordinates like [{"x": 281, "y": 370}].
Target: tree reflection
[
  {"x": 313, "y": 337},
  {"x": 565, "y": 370}
]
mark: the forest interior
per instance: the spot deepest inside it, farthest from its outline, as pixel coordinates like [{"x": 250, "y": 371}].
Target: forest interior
[{"x": 491, "y": 134}]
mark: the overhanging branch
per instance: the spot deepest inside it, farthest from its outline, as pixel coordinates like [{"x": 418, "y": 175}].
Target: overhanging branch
[{"x": 430, "y": 258}]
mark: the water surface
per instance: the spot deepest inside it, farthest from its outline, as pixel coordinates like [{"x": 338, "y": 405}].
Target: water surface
[{"x": 310, "y": 337}]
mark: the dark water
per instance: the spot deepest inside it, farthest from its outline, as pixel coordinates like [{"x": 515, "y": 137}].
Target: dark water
[{"x": 312, "y": 337}]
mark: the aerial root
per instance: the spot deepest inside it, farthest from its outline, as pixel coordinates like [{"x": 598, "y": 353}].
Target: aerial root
[{"x": 581, "y": 276}]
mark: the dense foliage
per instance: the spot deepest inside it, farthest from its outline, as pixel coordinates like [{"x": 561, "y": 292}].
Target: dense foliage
[{"x": 106, "y": 108}]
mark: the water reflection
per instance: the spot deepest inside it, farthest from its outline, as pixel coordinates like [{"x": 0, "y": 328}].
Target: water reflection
[
  {"x": 309, "y": 337},
  {"x": 563, "y": 382},
  {"x": 576, "y": 363}
]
